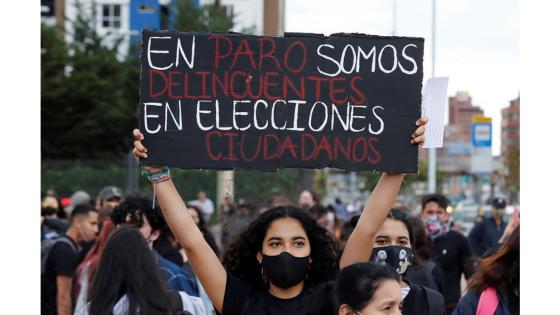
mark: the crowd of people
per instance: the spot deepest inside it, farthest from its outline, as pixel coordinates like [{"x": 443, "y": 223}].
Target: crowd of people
[{"x": 132, "y": 255}]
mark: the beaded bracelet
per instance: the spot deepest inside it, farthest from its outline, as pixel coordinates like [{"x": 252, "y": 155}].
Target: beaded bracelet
[{"x": 159, "y": 176}]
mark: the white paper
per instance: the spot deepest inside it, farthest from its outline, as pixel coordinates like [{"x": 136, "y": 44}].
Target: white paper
[{"x": 434, "y": 103}]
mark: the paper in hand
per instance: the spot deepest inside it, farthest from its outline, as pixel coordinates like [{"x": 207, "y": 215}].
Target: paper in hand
[{"x": 434, "y": 102}]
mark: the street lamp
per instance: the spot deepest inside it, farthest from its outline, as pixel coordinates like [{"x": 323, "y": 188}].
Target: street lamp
[{"x": 432, "y": 165}]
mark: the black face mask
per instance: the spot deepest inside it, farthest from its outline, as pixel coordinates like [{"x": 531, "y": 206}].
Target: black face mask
[
  {"x": 285, "y": 270},
  {"x": 396, "y": 257}
]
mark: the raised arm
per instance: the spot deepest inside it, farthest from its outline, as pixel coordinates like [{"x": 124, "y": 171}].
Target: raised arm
[
  {"x": 359, "y": 245},
  {"x": 205, "y": 263}
]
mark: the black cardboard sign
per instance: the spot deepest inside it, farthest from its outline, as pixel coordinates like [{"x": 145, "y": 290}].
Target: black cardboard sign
[{"x": 233, "y": 101}]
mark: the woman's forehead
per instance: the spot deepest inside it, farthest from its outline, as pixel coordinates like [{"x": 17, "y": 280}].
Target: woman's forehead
[
  {"x": 285, "y": 228},
  {"x": 393, "y": 228}
]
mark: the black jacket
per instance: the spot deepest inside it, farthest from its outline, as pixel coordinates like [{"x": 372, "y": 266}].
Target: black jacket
[{"x": 485, "y": 235}]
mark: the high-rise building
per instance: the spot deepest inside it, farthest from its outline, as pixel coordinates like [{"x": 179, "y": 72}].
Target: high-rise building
[
  {"x": 461, "y": 112},
  {"x": 510, "y": 126},
  {"x": 455, "y": 155}
]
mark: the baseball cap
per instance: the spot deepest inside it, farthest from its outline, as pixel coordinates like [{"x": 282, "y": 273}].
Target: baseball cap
[
  {"x": 499, "y": 203},
  {"x": 109, "y": 192},
  {"x": 79, "y": 197}
]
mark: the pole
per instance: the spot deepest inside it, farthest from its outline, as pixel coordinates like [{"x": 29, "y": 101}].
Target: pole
[{"x": 432, "y": 165}]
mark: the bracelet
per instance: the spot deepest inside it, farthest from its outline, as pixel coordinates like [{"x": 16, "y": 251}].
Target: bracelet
[{"x": 158, "y": 177}]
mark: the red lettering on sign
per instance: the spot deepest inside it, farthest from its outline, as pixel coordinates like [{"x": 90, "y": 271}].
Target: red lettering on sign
[
  {"x": 267, "y": 155},
  {"x": 217, "y": 54},
  {"x": 162, "y": 75},
  {"x": 360, "y": 98},
  {"x": 243, "y": 49},
  {"x": 268, "y": 54},
  {"x": 209, "y": 145},
  {"x": 371, "y": 144},
  {"x": 231, "y": 144},
  {"x": 333, "y": 91},
  {"x": 303, "y": 59}
]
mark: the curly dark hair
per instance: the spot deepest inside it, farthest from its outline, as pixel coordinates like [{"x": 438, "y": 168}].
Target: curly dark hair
[
  {"x": 240, "y": 259},
  {"x": 134, "y": 207}
]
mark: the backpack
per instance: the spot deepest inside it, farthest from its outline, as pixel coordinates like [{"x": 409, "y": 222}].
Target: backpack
[
  {"x": 436, "y": 305},
  {"x": 47, "y": 246}
]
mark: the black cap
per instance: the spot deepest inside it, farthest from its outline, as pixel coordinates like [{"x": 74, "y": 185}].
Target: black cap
[{"x": 499, "y": 203}]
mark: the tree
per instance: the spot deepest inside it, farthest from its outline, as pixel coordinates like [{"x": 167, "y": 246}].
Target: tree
[
  {"x": 208, "y": 18},
  {"x": 84, "y": 111}
]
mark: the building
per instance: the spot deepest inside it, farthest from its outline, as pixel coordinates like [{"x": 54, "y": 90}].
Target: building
[
  {"x": 455, "y": 155},
  {"x": 510, "y": 127},
  {"x": 118, "y": 22},
  {"x": 150, "y": 14},
  {"x": 111, "y": 19},
  {"x": 461, "y": 111}
]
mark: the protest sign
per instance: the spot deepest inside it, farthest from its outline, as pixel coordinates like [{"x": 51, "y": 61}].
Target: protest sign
[{"x": 233, "y": 101}]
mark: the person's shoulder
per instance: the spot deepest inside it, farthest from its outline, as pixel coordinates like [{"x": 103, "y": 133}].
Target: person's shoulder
[
  {"x": 62, "y": 246},
  {"x": 170, "y": 265},
  {"x": 467, "y": 304},
  {"x": 192, "y": 304},
  {"x": 452, "y": 234}
]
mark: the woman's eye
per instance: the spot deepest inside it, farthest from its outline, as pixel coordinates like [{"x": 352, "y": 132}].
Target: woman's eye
[
  {"x": 381, "y": 242},
  {"x": 274, "y": 244},
  {"x": 299, "y": 244}
]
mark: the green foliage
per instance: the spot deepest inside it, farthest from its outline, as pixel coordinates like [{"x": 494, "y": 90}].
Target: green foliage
[
  {"x": 208, "y": 18},
  {"x": 84, "y": 109},
  {"x": 68, "y": 176},
  {"x": 257, "y": 186}
]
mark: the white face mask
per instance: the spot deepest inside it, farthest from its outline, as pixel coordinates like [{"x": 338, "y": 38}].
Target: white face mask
[{"x": 404, "y": 292}]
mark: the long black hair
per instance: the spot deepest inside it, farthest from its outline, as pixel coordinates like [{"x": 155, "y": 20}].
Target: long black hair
[
  {"x": 356, "y": 284},
  {"x": 240, "y": 259},
  {"x": 127, "y": 266}
]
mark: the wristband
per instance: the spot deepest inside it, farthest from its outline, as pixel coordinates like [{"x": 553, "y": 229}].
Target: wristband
[{"x": 158, "y": 177}]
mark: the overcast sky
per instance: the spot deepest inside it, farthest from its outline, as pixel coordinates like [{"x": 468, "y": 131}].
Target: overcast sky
[{"x": 477, "y": 41}]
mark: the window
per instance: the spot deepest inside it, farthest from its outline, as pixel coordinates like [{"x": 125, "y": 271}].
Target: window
[
  {"x": 111, "y": 16},
  {"x": 229, "y": 11}
]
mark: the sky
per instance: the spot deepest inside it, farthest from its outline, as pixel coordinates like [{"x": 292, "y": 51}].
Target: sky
[{"x": 477, "y": 41}]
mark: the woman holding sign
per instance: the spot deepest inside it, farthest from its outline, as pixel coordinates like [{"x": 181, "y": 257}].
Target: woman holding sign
[{"x": 283, "y": 255}]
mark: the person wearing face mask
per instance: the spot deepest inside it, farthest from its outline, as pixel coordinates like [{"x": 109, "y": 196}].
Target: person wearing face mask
[
  {"x": 486, "y": 234},
  {"x": 450, "y": 249},
  {"x": 277, "y": 262},
  {"x": 368, "y": 289},
  {"x": 426, "y": 272},
  {"x": 393, "y": 247}
]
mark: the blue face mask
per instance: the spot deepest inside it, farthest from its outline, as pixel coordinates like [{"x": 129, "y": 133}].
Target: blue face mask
[{"x": 396, "y": 257}]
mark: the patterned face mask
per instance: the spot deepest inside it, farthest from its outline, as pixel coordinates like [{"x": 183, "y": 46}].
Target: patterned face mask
[
  {"x": 397, "y": 257},
  {"x": 435, "y": 227}
]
